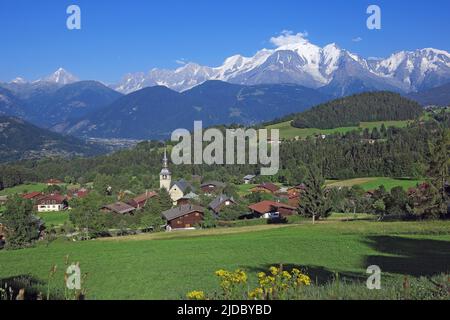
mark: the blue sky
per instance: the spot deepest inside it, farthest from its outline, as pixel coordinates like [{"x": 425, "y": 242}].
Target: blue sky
[{"x": 121, "y": 36}]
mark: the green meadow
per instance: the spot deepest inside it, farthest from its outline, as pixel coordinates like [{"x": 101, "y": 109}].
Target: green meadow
[
  {"x": 375, "y": 182},
  {"x": 289, "y": 132},
  {"x": 54, "y": 219},
  {"x": 24, "y": 188},
  {"x": 168, "y": 265}
]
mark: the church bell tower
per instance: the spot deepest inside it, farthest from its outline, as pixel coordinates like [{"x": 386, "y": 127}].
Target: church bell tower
[{"x": 165, "y": 177}]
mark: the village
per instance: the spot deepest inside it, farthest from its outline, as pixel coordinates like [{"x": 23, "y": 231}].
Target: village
[{"x": 188, "y": 202}]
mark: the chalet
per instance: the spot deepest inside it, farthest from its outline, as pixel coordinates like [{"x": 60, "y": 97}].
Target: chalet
[
  {"x": 51, "y": 202},
  {"x": 266, "y": 187},
  {"x": 188, "y": 199},
  {"x": 3, "y": 199},
  {"x": 212, "y": 187},
  {"x": 119, "y": 207},
  {"x": 271, "y": 209},
  {"x": 140, "y": 201},
  {"x": 183, "y": 217},
  {"x": 291, "y": 199},
  {"x": 53, "y": 182},
  {"x": 33, "y": 196},
  {"x": 293, "y": 195},
  {"x": 221, "y": 202},
  {"x": 249, "y": 179}
]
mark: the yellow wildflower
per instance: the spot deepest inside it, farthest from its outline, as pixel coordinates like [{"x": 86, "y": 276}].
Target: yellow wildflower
[
  {"x": 286, "y": 275},
  {"x": 255, "y": 294},
  {"x": 303, "y": 279},
  {"x": 196, "y": 295},
  {"x": 274, "y": 270}
]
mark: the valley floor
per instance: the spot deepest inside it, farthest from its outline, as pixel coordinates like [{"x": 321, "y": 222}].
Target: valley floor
[{"x": 168, "y": 265}]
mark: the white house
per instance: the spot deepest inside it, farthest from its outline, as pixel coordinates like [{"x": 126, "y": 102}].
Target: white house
[{"x": 52, "y": 203}]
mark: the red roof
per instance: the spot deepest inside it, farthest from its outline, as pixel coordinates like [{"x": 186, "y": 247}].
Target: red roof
[
  {"x": 31, "y": 195},
  {"x": 81, "y": 193},
  {"x": 140, "y": 200},
  {"x": 52, "y": 199},
  {"x": 268, "y": 206},
  {"x": 120, "y": 207},
  {"x": 298, "y": 187},
  {"x": 269, "y": 186}
]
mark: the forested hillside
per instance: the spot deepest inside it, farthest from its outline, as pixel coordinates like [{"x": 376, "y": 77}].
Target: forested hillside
[
  {"x": 21, "y": 140},
  {"x": 396, "y": 152},
  {"x": 350, "y": 111}
]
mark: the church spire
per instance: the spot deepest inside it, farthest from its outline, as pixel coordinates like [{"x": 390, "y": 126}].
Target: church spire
[
  {"x": 165, "y": 177},
  {"x": 165, "y": 160}
]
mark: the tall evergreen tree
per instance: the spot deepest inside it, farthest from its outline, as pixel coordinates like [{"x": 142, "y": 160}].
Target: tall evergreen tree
[
  {"x": 438, "y": 171},
  {"x": 165, "y": 202},
  {"x": 313, "y": 202},
  {"x": 431, "y": 200}
]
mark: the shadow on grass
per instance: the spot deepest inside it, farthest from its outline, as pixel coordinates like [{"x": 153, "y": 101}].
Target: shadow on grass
[
  {"x": 319, "y": 275},
  {"x": 34, "y": 288},
  {"x": 414, "y": 257}
]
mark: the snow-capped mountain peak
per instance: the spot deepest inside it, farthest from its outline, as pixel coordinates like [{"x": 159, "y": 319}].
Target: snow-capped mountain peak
[
  {"x": 19, "y": 80},
  {"x": 61, "y": 77},
  {"x": 296, "y": 60},
  {"x": 419, "y": 69}
]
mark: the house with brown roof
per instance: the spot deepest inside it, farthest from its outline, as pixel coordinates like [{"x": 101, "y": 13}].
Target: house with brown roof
[
  {"x": 292, "y": 195},
  {"x": 266, "y": 187},
  {"x": 140, "y": 201},
  {"x": 52, "y": 203},
  {"x": 212, "y": 187},
  {"x": 220, "y": 202},
  {"x": 32, "y": 195},
  {"x": 271, "y": 209},
  {"x": 119, "y": 207},
  {"x": 183, "y": 217}
]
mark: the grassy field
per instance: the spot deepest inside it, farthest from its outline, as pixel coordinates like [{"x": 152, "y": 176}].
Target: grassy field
[
  {"x": 24, "y": 188},
  {"x": 167, "y": 265},
  {"x": 244, "y": 189},
  {"x": 374, "y": 183},
  {"x": 289, "y": 132},
  {"x": 54, "y": 218}
]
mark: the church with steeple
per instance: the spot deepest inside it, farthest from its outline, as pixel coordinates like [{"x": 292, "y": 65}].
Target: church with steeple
[{"x": 176, "y": 189}]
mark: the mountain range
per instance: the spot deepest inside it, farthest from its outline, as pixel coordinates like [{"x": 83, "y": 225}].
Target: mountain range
[
  {"x": 154, "y": 112},
  {"x": 244, "y": 90},
  {"x": 55, "y": 99},
  {"x": 330, "y": 69}
]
